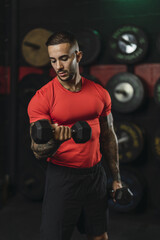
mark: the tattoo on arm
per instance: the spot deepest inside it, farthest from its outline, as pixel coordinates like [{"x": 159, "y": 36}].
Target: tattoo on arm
[
  {"x": 109, "y": 146},
  {"x": 44, "y": 150}
]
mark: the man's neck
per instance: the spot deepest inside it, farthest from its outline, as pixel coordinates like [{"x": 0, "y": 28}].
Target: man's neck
[{"x": 73, "y": 85}]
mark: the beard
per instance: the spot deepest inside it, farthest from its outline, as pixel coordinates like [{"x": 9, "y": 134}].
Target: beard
[{"x": 70, "y": 77}]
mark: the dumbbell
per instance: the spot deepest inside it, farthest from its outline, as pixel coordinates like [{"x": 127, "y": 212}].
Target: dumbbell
[
  {"x": 42, "y": 131},
  {"x": 123, "y": 195}
]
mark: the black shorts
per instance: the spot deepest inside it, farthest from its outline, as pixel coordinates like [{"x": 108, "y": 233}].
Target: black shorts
[{"x": 74, "y": 197}]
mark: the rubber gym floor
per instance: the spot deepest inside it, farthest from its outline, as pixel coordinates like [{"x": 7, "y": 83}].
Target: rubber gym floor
[{"x": 20, "y": 220}]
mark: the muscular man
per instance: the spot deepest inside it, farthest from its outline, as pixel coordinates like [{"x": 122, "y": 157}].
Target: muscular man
[{"x": 76, "y": 183}]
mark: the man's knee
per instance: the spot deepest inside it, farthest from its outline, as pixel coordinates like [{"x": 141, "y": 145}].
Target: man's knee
[{"x": 101, "y": 237}]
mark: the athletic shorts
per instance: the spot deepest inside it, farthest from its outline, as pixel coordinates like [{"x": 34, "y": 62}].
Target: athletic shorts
[{"x": 74, "y": 197}]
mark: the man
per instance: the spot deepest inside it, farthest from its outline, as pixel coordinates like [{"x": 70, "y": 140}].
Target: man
[{"x": 76, "y": 183}]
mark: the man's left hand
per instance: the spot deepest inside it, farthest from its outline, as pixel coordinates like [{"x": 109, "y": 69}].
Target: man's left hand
[{"x": 115, "y": 185}]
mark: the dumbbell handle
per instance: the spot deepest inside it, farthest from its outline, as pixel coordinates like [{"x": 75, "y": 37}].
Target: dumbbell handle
[{"x": 72, "y": 130}]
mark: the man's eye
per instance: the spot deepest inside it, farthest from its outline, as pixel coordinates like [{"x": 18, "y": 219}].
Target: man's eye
[
  {"x": 64, "y": 58},
  {"x": 53, "y": 61}
]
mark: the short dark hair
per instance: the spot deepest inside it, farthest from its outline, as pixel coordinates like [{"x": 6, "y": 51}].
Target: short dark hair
[{"x": 61, "y": 37}]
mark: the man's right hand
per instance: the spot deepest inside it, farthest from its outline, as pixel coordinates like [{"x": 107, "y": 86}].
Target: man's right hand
[{"x": 61, "y": 133}]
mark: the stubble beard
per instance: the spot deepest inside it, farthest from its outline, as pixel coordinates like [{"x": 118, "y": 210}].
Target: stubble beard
[{"x": 70, "y": 77}]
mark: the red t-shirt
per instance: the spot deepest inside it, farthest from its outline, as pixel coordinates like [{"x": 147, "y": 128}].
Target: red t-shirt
[{"x": 59, "y": 105}]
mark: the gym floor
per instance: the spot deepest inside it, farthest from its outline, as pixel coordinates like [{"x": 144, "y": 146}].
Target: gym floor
[{"x": 20, "y": 220}]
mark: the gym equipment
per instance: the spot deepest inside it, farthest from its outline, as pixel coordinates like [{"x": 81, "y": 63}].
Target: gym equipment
[
  {"x": 42, "y": 131},
  {"x": 130, "y": 140},
  {"x": 128, "y": 44},
  {"x": 29, "y": 85},
  {"x": 123, "y": 195},
  {"x": 90, "y": 44},
  {"x": 157, "y": 92},
  {"x": 34, "y": 49},
  {"x": 127, "y": 92},
  {"x": 128, "y": 202},
  {"x": 156, "y": 143}
]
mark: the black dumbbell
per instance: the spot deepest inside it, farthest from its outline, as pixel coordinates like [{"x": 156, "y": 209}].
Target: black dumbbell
[
  {"x": 123, "y": 195},
  {"x": 42, "y": 131}
]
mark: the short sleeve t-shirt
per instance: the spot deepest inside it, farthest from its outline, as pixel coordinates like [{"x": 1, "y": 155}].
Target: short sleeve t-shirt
[{"x": 59, "y": 105}]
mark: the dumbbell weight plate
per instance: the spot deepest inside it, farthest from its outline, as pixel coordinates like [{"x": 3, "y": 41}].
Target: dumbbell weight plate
[
  {"x": 128, "y": 44},
  {"x": 127, "y": 92},
  {"x": 133, "y": 182},
  {"x": 90, "y": 44},
  {"x": 29, "y": 85},
  {"x": 34, "y": 49},
  {"x": 156, "y": 144},
  {"x": 81, "y": 132},
  {"x": 41, "y": 131},
  {"x": 157, "y": 92},
  {"x": 123, "y": 196},
  {"x": 131, "y": 141}
]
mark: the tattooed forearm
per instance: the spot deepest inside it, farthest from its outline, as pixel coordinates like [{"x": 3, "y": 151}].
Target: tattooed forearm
[
  {"x": 44, "y": 150},
  {"x": 109, "y": 146}
]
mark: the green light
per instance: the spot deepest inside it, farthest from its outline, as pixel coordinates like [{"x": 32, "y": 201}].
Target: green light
[{"x": 95, "y": 32}]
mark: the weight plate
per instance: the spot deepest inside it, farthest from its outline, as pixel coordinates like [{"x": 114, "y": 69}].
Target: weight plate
[
  {"x": 134, "y": 183},
  {"x": 130, "y": 141},
  {"x": 33, "y": 181},
  {"x": 29, "y": 85},
  {"x": 156, "y": 144},
  {"x": 127, "y": 92},
  {"x": 128, "y": 44},
  {"x": 157, "y": 92},
  {"x": 90, "y": 44},
  {"x": 34, "y": 49}
]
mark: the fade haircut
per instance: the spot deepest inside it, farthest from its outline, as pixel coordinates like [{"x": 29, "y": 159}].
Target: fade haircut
[{"x": 59, "y": 37}]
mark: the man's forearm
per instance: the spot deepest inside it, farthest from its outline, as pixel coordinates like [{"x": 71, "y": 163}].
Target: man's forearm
[
  {"x": 44, "y": 150},
  {"x": 109, "y": 149}
]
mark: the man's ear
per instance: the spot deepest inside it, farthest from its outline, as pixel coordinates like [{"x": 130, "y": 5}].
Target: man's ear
[{"x": 79, "y": 55}]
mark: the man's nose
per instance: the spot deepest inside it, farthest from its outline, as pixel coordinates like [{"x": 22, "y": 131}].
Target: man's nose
[{"x": 59, "y": 65}]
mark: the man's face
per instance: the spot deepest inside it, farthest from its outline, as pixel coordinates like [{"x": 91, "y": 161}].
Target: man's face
[{"x": 64, "y": 60}]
